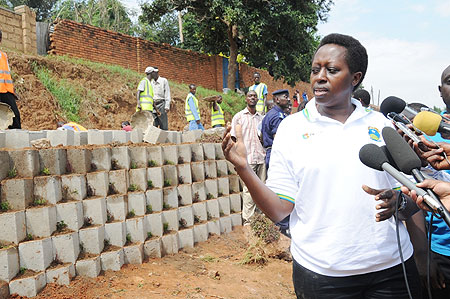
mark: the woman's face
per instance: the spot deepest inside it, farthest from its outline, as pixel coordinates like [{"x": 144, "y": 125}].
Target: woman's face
[{"x": 331, "y": 80}]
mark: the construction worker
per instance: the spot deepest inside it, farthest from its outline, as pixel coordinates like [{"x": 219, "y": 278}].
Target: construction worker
[
  {"x": 7, "y": 95},
  {"x": 191, "y": 110},
  {"x": 261, "y": 92},
  {"x": 145, "y": 92},
  {"x": 70, "y": 126},
  {"x": 217, "y": 118}
]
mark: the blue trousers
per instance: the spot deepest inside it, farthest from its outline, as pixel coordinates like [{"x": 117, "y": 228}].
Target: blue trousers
[{"x": 193, "y": 125}]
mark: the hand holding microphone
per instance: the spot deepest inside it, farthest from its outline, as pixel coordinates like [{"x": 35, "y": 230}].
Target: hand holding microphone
[{"x": 442, "y": 189}]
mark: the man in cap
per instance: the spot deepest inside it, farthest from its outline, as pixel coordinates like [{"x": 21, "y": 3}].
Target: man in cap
[
  {"x": 217, "y": 116},
  {"x": 261, "y": 92},
  {"x": 145, "y": 92},
  {"x": 191, "y": 109},
  {"x": 161, "y": 99}
]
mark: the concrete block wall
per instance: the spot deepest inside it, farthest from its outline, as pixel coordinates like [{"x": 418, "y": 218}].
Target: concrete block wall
[
  {"x": 19, "y": 29},
  {"x": 70, "y": 211}
]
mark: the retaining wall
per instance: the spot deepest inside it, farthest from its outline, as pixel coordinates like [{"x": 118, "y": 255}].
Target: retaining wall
[
  {"x": 19, "y": 29},
  {"x": 78, "y": 210}
]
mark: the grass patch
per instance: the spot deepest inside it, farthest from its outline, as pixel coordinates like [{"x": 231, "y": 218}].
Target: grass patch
[
  {"x": 264, "y": 228},
  {"x": 208, "y": 258}
]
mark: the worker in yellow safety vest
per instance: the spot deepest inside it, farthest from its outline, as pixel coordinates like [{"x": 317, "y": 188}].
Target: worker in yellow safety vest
[
  {"x": 145, "y": 92},
  {"x": 217, "y": 118},
  {"x": 191, "y": 110},
  {"x": 261, "y": 93},
  {"x": 7, "y": 95}
]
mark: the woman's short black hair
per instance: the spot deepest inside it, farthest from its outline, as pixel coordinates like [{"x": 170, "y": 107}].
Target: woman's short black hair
[{"x": 356, "y": 56}]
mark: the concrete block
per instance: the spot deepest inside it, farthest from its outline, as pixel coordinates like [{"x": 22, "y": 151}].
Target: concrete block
[
  {"x": 171, "y": 218},
  {"x": 2, "y": 139},
  {"x": 92, "y": 239},
  {"x": 224, "y": 187},
  {"x": 116, "y": 233},
  {"x": 25, "y": 162},
  {"x": 97, "y": 183},
  {"x": 101, "y": 158},
  {"x": 53, "y": 159},
  {"x": 173, "y": 137},
  {"x": 152, "y": 248},
  {"x": 120, "y": 136},
  {"x": 112, "y": 260},
  {"x": 188, "y": 136},
  {"x": 80, "y": 138},
  {"x": 78, "y": 160},
  {"x": 186, "y": 238},
  {"x": 210, "y": 169},
  {"x": 138, "y": 178},
  {"x": 219, "y": 151},
  {"x": 197, "y": 152},
  {"x": 184, "y": 195},
  {"x": 17, "y": 138},
  {"x": 198, "y": 192},
  {"x": 134, "y": 253},
  {"x": 235, "y": 202},
  {"x": 224, "y": 205},
  {"x": 48, "y": 188},
  {"x": 116, "y": 207},
  {"x": 233, "y": 182},
  {"x": 9, "y": 263},
  {"x": 120, "y": 158},
  {"x": 71, "y": 213},
  {"x": 185, "y": 216},
  {"x": 236, "y": 219},
  {"x": 209, "y": 151},
  {"x": 138, "y": 155},
  {"x": 18, "y": 192},
  {"x": 35, "y": 135},
  {"x": 212, "y": 207},
  {"x": 41, "y": 221},
  {"x": 231, "y": 169},
  {"x": 28, "y": 286},
  {"x": 36, "y": 255},
  {"x": 155, "y": 199},
  {"x": 211, "y": 188},
  {"x": 154, "y": 156},
  {"x": 170, "y": 154},
  {"x": 197, "y": 171},
  {"x": 95, "y": 210},
  {"x": 73, "y": 187},
  {"x": 154, "y": 135},
  {"x": 61, "y": 137},
  {"x": 90, "y": 267},
  {"x": 156, "y": 175},
  {"x": 61, "y": 275},
  {"x": 153, "y": 223},
  {"x": 169, "y": 244},
  {"x": 119, "y": 181},
  {"x": 99, "y": 137},
  {"x": 136, "y": 136},
  {"x": 66, "y": 247},
  {"x": 222, "y": 168},
  {"x": 6, "y": 164},
  {"x": 213, "y": 227},
  {"x": 200, "y": 232},
  {"x": 184, "y": 173},
  {"x": 170, "y": 197},
  {"x": 170, "y": 175},
  {"x": 4, "y": 288},
  {"x": 12, "y": 227},
  {"x": 137, "y": 203},
  {"x": 184, "y": 153},
  {"x": 225, "y": 225},
  {"x": 135, "y": 229}
]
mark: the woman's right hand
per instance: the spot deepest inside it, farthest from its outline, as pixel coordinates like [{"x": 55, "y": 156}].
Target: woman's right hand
[{"x": 234, "y": 148}]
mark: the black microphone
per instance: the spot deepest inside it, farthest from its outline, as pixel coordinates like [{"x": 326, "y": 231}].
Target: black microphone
[{"x": 397, "y": 105}]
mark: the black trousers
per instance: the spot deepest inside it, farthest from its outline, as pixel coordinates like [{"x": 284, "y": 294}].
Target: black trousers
[
  {"x": 162, "y": 120},
  {"x": 443, "y": 262},
  {"x": 388, "y": 283},
  {"x": 10, "y": 99}
]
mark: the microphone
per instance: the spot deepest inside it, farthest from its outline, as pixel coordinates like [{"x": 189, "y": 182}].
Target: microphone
[
  {"x": 397, "y": 105},
  {"x": 431, "y": 123}
]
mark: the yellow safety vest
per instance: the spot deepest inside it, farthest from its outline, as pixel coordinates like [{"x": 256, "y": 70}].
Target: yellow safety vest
[
  {"x": 6, "y": 83},
  {"x": 259, "y": 93},
  {"x": 74, "y": 127},
  {"x": 187, "y": 109},
  {"x": 146, "y": 96},
  {"x": 217, "y": 116}
]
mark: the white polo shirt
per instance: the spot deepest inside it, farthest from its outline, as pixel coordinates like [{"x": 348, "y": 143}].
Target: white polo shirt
[{"x": 315, "y": 164}]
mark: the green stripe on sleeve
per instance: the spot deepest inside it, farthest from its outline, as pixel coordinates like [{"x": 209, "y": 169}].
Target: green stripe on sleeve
[{"x": 285, "y": 197}]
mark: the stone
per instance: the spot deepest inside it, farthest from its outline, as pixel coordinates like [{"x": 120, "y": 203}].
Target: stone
[
  {"x": 25, "y": 162},
  {"x": 154, "y": 198},
  {"x": 170, "y": 175},
  {"x": 136, "y": 135},
  {"x": 61, "y": 275},
  {"x": 170, "y": 197},
  {"x": 5, "y": 162},
  {"x": 235, "y": 202},
  {"x": 224, "y": 187},
  {"x": 101, "y": 158},
  {"x": 219, "y": 151},
  {"x": 112, "y": 260},
  {"x": 184, "y": 174},
  {"x": 200, "y": 232},
  {"x": 236, "y": 219},
  {"x": 92, "y": 239},
  {"x": 155, "y": 135},
  {"x": 156, "y": 176},
  {"x": 186, "y": 238},
  {"x": 199, "y": 210},
  {"x": 184, "y": 153},
  {"x": 197, "y": 171},
  {"x": 153, "y": 223},
  {"x": 9, "y": 261},
  {"x": 186, "y": 216},
  {"x": 36, "y": 255},
  {"x": 66, "y": 247},
  {"x": 170, "y": 154},
  {"x": 198, "y": 192},
  {"x": 197, "y": 152},
  {"x": 17, "y": 138},
  {"x": 99, "y": 136},
  {"x": 28, "y": 286},
  {"x": 54, "y": 160},
  {"x": 152, "y": 248},
  {"x": 138, "y": 178},
  {"x": 117, "y": 207},
  {"x": 118, "y": 181},
  {"x": 61, "y": 137},
  {"x": 48, "y": 188},
  {"x": 134, "y": 253},
  {"x": 12, "y": 227},
  {"x": 224, "y": 205},
  {"x": 155, "y": 156},
  {"x": 94, "y": 209},
  {"x": 97, "y": 183},
  {"x": 138, "y": 155},
  {"x": 225, "y": 224},
  {"x": 116, "y": 233},
  {"x": 137, "y": 203},
  {"x": 210, "y": 169},
  {"x": 78, "y": 160},
  {"x": 214, "y": 227},
  {"x": 120, "y": 136},
  {"x": 120, "y": 158},
  {"x": 170, "y": 218},
  {"x": 209, "y": 151},
  {"x": 90, "y": 267},
  {"x": 73, "y": 187},
  {"x": 184, "y": 195},
  {"x": 71, "y": 213},
  {"x": 17, "y": 192},
  {"x": 169, "y": 244},
  {"x": 222, "y": 168},
  {"x": 211, "y": 188},
  {"x": 41, "y": 221},
  {"x": 212, "y": 207},
  {"x": 135, "y": 230},
  {"x": 80, "y": 138}
]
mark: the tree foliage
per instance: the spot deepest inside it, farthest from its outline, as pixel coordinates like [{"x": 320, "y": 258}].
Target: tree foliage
[
  {"x": 41, "y": 7},
  {"x": 278, "y": 35},
  {"x": 163, "y": 31}
]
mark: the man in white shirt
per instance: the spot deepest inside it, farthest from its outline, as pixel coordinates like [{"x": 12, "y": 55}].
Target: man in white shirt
[{"x": 161, "y": 99}]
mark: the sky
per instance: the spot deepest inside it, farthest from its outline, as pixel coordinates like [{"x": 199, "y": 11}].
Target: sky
[{"x": 407, "y": 41}]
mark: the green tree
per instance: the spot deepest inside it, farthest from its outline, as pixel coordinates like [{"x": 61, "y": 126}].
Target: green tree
[
  {"x": 41, "y": 7},
  {"x": 279, "y": 35},
  {"x": 163, "y": 31}
]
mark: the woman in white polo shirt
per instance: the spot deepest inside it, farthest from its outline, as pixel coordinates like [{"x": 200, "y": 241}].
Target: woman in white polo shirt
[{"x": 342, "y": 248}]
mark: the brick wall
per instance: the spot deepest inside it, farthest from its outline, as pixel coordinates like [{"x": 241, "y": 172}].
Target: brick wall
[
  {"x": 19, "y": 29},
  {"x": 96, "y": 44}
]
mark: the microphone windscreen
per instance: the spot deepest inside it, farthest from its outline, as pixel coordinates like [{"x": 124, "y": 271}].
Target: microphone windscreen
[
  {"x": 392, "y": 104},
  {"x": 389, "y": 157},
  {"x": 373, "y": 156},
  {"x": 427, "y": 122},
  {"x": 403, "y": 155}
]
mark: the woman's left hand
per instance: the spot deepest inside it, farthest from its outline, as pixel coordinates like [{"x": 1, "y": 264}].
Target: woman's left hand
[{"x": 387, "y": 204}]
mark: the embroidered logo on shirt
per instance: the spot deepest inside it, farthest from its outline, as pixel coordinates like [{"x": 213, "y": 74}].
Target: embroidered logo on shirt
[{"x": 374, "y": 134}]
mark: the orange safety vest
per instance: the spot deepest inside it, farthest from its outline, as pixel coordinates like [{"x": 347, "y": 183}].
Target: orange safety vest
[{"x": 6, "y": 83}]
